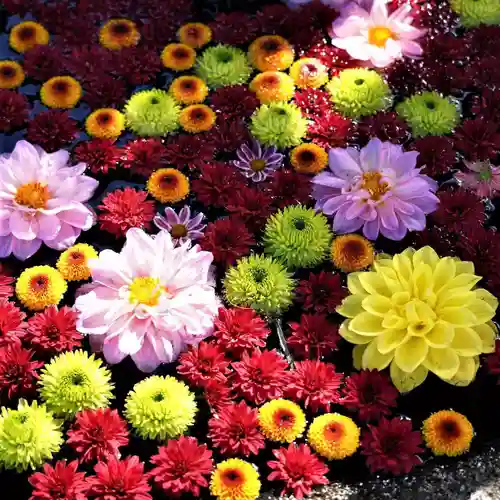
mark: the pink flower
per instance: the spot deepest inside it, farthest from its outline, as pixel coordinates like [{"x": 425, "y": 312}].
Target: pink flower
[
  {"x": 41, "y": 201},
  {"x": 374, "y": 35},
  {"x": 377, "y": 188},
  {"x": 336, "y": 4},
  {"x": 139, "y": 306},
  {"x": 483, "y": 178}
]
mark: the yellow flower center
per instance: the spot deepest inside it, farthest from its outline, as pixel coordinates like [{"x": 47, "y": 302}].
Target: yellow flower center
[
  {"x": 33, "y": 195},
  {"x": 145, "y": 290},
  {"x": 378, "y": 35},
  {"x": 178, "y": 231},
  {"x": 257, "y": 165},
  {"x": 372, "y": 183}
]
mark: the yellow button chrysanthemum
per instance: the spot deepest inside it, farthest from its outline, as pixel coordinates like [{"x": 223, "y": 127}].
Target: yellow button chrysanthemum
[
  {"x": 119, "y": 33},
  {"x": 11, "y": 75},
  {"x": 189, "y": 89},
  {"x": 195, "y": 35},
  {"x": 281, "y": 420},
  {"x": 105, "y": 123},
  {"x": 418, "y": 313},
  {"x": 26, "y": 35},
  {"x": 168, "y": 185},
  {"x": 62, "y": 92},
  {"x": 73, "y": 262},
  {"x": 272, "y": 86},
  {"x": 235, "y": 479},
  {"x": 39, "y": 287},
  {"x": 309, "y": 73}
]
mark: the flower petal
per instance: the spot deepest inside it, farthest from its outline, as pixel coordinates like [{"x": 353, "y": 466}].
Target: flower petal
[
  {"x": 443, "y": 362},
  {"x": 406, "y": 382},
  {"x": 373, "y": 359},
  {"x": 367, "y": 324},
  {"x": 410, "y": 355}
]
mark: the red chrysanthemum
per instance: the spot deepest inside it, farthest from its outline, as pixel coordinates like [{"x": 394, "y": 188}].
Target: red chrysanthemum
[
  {"x": 384, "y": 125},
  {"x": 100, "y": 155},
  {"x": 407, "y": 76},
  {"x": 330, "y": 130},
  {"x": 61, "y": 482},
  {"x": 322, "y": 292},
  {"x": 88, "y": 63},
  {"x": 6, "y": 283},
  {"x": 391, "y": 446},
  {"x": 123, "y": 479},
  {"x": 289, "y": 188},
  {"x": 234, "y": 28},
  {"x": 182, "y": 466},
  {"x": 218, "y": 395},
  {"x": 52, "y": 130},
  {"x": 19, "y": 7},
  {"x": 493, "y": 361},
  {"x": 260, "y": 376},
  {"x": 477, "y": 139},
  {"x": 272, "y": 18},
  {"x": 437, "y": 237},
  {"x": 436, "y": 155},
  {"x": 240, "y": 329},
  {"x": 202, "y": 363},
  {"x": 234, "y": 102},
  {"x": 299, "y": 468},
  {"x": 126, "y": 208},
  {"x": 14, "y": 108},
  {"x": 235, "y": 431},
  {"x": 251, "y": 205},
  {"x": 487, "y": 104},
  {"x": 42, "y": 62},
  {"x": 226, "y": 136},
  {"x": 96, "y": 435},
  {"x": 228, "y": 240},
  {"x": 449, "y": 77},
  {"x": 484, "y": 40},
  {"x": 189, "y": 151},
  {"x": 314, "y": 103},
  {"x": 159, "y": 32},
  {"x": 137, "y": 65},
  {"x": 304, "y": 27},
  {"x": 144, "y": 156},
  {"x": 104, "y": 91},
  {"x": 486, "y": 72},
  {"x": 370, "y": 393},
  {"x": 333, "y": 58},
  {"x": 313, "y": 337},
  {"x": 12, "y": 325}
]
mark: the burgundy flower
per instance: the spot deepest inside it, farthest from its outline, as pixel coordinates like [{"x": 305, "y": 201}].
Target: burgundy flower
[
  {"x": 436, "y": 155},
  {"x": 100, "y": 155},
  {"x": 477, "y": 139},
  {"x": 138, "y": 65},
  {"x": 322, "y": 292},
  {"x": 315, "y": 384},
  {"x": 235, "y": 28},
  {"x": 19, "y": 7},
  {"x": 493, "y": 361},
  {"x": 52, "y": 130},
  {"x": 391, "y": 446},
  {"x": 384, "y": 125},
  {"x": 159, "y": 32},
  {"x": 218, "y": 395},
  {"x": 96, "y": 435},
  {"x": 6, "y": 283},
  {"x": 314, "y": 103},
  {"x": 188, "y": 151},
  {"x": 407, "y": 76},
  {"x": 12, "y": 325},
  {"x": 226, "y": 136},
  {"x": 89, "y": 63},
  {"x": 487, "y": 72},
  {"x": 42, "y": 62},
  {"x": 330, "y": 130},
  {"x": 233, "y": 102},
  {"x": 289, "y": 188},
  {"x": 299, "y": 468},
  {"x": 272, "y": 18},
  {"x": 332, "y": 57},
  {"x": 437, "y": 237},
  {"x": 14, "y": 109},
  {"x": 104, "y": 91},
  {"x": 251, "y": 205},
  {"x": 449, "y": 77},
  {"x": 487, "y": 104},
  {"x": 484, "y": 40},
  {"x": 144, "y": 156},
  {"x": 182, "y": 466}
]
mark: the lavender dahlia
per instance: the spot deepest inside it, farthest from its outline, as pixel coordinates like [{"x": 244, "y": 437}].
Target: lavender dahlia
[
  {"x": 258, "y": 163},
  {"x": 182, "y": 227}
]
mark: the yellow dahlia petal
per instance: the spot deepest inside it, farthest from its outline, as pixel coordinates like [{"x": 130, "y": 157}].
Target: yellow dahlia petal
[
  {"x": 441, "y": 335},
  {"x": 373, "y": 283},
  {"x": 444, "y": 271},
  {"x": 422, "y": 280},
  {"x": 352, "y": 337},
  {"x": 487, "y": 333},
  {"x": 391, "y": 280},
  {"x": 391, "y": 339},
  {"x": 393, "y": 321},
  {"x": 426, "y": 255},
  {"x": 462, "y": 281},
  {"x": 455, "y": 299},
  {"x": 377, "y": 305},
  {"x": 488, "y": 297},
  {"x": 466, "y": 342},
  {"x": 464, "y": 266},
  {"x": 373, "y": 359},
  {"x": 351, "y": 306},
  {"x": 354, "y": 285},
  {"x": 481, "y": 310},
  {"x": 357, "y": 356},
  {"x": 466, "y": 372},
  {"x": 403, "y": 266},
  {"x": 406, "y": 382},
  {"x": 410, "y": 355},
  {"x": 443, "y": 362},
  {"x": 458, "y": 316},
  {"x": 367, "y": 324}
]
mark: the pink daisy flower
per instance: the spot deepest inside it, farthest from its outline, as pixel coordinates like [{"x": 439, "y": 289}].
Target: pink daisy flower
[{"x": 482, "y": 177}]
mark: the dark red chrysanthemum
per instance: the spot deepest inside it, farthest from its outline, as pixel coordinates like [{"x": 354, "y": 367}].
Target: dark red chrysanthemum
[
  {"x": 486, "y": 72},
  {"x": 189, "y": 151},
  {"x": 251, "y": 205},
  {"x": 6, "y": 283},
  {"x": 228, "y": 135},
  {"x": 477, "y": 139},
  {"x": 493, "y": 361},
  {"x": 289, "y": 188},
  {"x": 330, "y": 130},
  {"x": 182, "y": 466},
  {"x": 14, "y": 110},
  {"x": 19, "y": 7},
  {"x": 52, "y": 130},
  {"x": 12, "y": 325},
  {"x": 315, "y": 384},
  {"x": 384, "y": 125},
  {"x": 89, "y": 62},
  {"x": 104, "y": 91},
  {"x": 138, "y": 65},
  {"x": 42, "y": 62},
  {"x": 202, "y": 363},
  {"x": 235, "y": 431},
  {"x": 123, "y": 479},
  {"x": 484, "y": 40},
  {"x": 228, "y": 240},
  {"x": 158, "y": 32},
  {"x": 313, "y": 337},
  {"x": 218, "y": 395},
  {"x": 100, "y": 155},
  {"x": 487, "y": 104},
  {"x": 314, "y": 103},
  {"x": 260, "y": 376},
  {"x": 234, "y": 102},
  {"x": 272, "y": 18},
  {"x": 234, "y": 28},
  {"x": 370, "y": 393},
  {"x": 126, "y": 208},
  {"x": 299, "y": 468},
  {"x": 61, "y": 482},
  {"x": 449, "y": 77},
  {"x": 96, "y": 435},
  {"x": 303, "y": 27},
  {"x": 240, "y": 329},
  {"x": 437, "y": 237},
  {"x": 436, "y": 155},
  {"x": 144, "y": 156},
  {"x": 322, "y": 292},
  {"x": 333, "y": 58},
  {"x": 407, "y": 76},
  {"x": 391, "y": 446}
]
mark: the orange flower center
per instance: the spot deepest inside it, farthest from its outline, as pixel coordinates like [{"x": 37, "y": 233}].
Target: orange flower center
[
  {"x": 271, "y": 81},
  {"x": 307, "y": 157},
  {"x": 120, "y": 29},
  {"x": 284, "y": 418},
  {"x": 378, "y": 35},
  {"x": 178, "y": 231},
  {"x": 8, "y": 72},
  {"x": 188, "y": 85},
  {"x": 103, "y": 118},
  {"x": 26, "y": 33},
  {"x": 232, "y": 478},
  {"x": 76, "y": 258},
  {"x": 33, "y": 195},
  {"x": 60, "y": 87},
  {"x": 168, "y": 181},
  {"x": 354, "y": 249},
  {"x": 180, "y": 53},
  {"x": 450, "y": 429},
  {"x": 194, "y": 33},
  {"x": 271, "y": 46},
  {"x": 372, "y": 183},
  {"x": 333, "y": 432},
  {"x": 199, "y": 115},
  {"x": 39, "y": 283},
  {"x": 258, "y": 165}
]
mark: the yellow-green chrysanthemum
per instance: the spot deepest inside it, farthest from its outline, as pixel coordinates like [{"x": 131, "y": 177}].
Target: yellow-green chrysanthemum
[
  {"x": 62, "y": 92},
  {"x": 418, "y": 313},
  {"x": 272, "y": 86},
  {"x": 309, "y": 72},
  {"x": 11, "y": 75},
  {"x": 26, "y": 35},
  {"x": 475, "y": 12},
  {"x": 235, "y": 479},
  {"x": 73, "y": 262},
  {"x": 281, "y": 420},
  {"x": 105, "y": 123}
]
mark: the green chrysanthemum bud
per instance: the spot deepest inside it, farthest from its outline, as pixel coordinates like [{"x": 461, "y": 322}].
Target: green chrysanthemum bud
[{"x": 475, "y": 12}]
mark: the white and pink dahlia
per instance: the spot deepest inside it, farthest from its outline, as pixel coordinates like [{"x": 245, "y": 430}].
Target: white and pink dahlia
[
  {"x": 42, "y": 200},
  {"x": 149, "y": 301}
]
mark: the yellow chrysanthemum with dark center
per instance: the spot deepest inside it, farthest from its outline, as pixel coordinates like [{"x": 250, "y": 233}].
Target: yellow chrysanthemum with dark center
[
  {"x": 178, "y": 56},
  {"x": 352, "y": 252},
  {"x": 195, "y": 35},
  {"x": 61, "y": 92},
  {"x": 119, "y": 33},
  {"x": 24, "y": 36},
  {"x": 281, "y": 420},
  {"x": 448, "y": 433},
  {"x": 272, "y": 86},
  {"x": 309, "y": 73},
  {"x": 11, "y": 75},
  {"x": 308, "y": 158},
  {"x": 333, "y": 436},
  {"x": 270, "y": 53},
  {"x": 39, "y": 287},
  {"x": 197, "y": 118},
  {"x": 235, "y": 479},
  {"x": 168, "y": 185},
  {"x": 73, "y": 262},
  {"x": 105, "y": 123},
  {"x": 189, "y": 90}
]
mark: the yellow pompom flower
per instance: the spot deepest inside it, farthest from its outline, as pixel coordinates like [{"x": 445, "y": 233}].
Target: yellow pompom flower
[
  {"x": 73, "y": 262},
  {"x": 196, "y": 35},
  {"x": 333, "y": 436},
  {"x": 105, "y": 123},
  {"x": 419, "y": 313},
  {"x": 308, "y": 158},
  {"x": 189, "y": 90},
  {"x": 178, "y": 56},
  {"x": 309, "y": 73},
  {"x": 62, "y": 92},
  {"x": 281, "y": 420},
  {"x": 24, "y": 36},
  {"x": 352, "y": 252},
  {"x": 197, "y": 118},
  {"x": 235, "y": 479},
  {"x": 11, "y": 75},
  {"x": 39, "y": 287},
  {"x": 270, "y": 53},
  {"x": 119, "y": 33},
  {"x": 448, "y": 433},
  {"x": 168, "y": 185},
  {"x": 272, "y": 86}
]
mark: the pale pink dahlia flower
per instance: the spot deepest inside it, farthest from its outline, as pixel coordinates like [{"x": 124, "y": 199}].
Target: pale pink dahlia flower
[
  {"x": 373, "y": 35},
  {"x": 149, "y": 301},
  {"x": 42, "y": 201},
  {"x": 377, "y": 189}
]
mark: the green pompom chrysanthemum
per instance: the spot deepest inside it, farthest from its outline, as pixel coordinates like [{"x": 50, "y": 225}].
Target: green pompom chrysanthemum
[
  {"x": 261, "y": 283},
  {"x": 429, "y": 114},
  {"x": 152, "y": 113},
  {"x": 359, "y": 92},
  {"x": 29, "y": 436},
  {"x": 223, "y": 65},
  {"x": 75, "y": 381},
  {"x": 160, "y": 408},
  {"x": 475, "y": 12},
  {"x": 298, "y": 237},
  {"x": 279, "y": 124}
]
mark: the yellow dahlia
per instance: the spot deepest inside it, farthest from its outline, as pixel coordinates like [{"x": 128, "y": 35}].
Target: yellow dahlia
[
  {"x": 39, "y": 287},
  {"x": 281, "y": 420},
  {"x": 11, "y": 75},
  {"x": 105, "y": 123},
  {"x": 352, "y": 252},
  {"x": 119, "y": 33},
  {"x": 309, "y": 158},
  {"x": 178, "y": 56},
  {"x": 309, "y": 73},
  {"x": 195, "y": 35},
  {"x": 73, "y": 262},
  {"x": 272, "y": 86},
  {"x": 168, "y": 185},
  {"x": 189, "y": 90},
  {"x": 235, "y": 479},
  {"x": 418, "y": 313},
  {"x": 24, "y": 36},
  {"x": 61, "y": 92},
  {"x": 197, "y": 118}
]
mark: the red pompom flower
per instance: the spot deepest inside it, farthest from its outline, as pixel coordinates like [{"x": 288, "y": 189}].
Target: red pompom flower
[
  {"x": 234, "y": 102},
  {"x": 190, "y": 151},
  {"x": 6, "y": 284},
  {"x": 144, "y": 156},
  {"x": 322, "y": 292},
  {"x": 100, "y": 155},
  {"x": 218, "y": 395},
  {"x": 14, "y": 110},
  {"x": 289, "y": 188},
  {"x": 52, "y": 130},
  {"x": 12, "y": 325},
  {"x": 330, "y": 130}
]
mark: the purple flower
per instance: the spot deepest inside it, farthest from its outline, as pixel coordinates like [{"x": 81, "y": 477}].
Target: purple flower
[
  {"x": 258, "y": 163},
  {"x": 181, "y": 226},
  {"x": 377, "y": 188}
]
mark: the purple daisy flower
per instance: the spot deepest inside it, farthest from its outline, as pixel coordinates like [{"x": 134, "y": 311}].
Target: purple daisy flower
[
  {"x": 181, "y": 226},
  {"x": 258, "y": 163}
]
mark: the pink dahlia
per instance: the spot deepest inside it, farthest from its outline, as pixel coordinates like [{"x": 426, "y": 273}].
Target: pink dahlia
[
  {"x": 41, "y": 201},
  {"x": 482, "y": 177},
  {"x": 378, "y": 188},
  {"x": 140, "y": 307}
]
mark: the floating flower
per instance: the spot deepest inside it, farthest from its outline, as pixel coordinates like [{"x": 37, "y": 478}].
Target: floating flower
[
  {"x": 42, "y": 62},
  {"x": 313, "y": 103},
  {"x": 39, "y": 287},
  {"x": 309, "y": 72},
  {"x": 73, "y": 262},
  {"x": 11, "y": 75},
  {"x": 377, "y": 188},
  {"x": 330, "y": 130},
  {"x": 216, "y": 184},
  {"x": 197, "y": 118},
  {"x": 26, "y": 35},
  {"x": 144, "y": 156},
  {"x": 234, "y": 102},
  {"x": 322, "y": 292},
  {"x": 436, "y": 155},
  {"x": 272, "y": 86},
  {"x": 104, "y": 92},
  {"x": 14, "y": 108},
  {"x": 477, "y": 139},
  {"x": 195, "y": 35},
  {"x": 61, "y": 92},
  {"x": 52, "y": 130},
  {"x": 256, "y": 162},
  {"x": 178, "y": 56},
  {"x": 235, "y": 479},
  {"x": 281, "y": 420},
  {"x": 218, "y": 395},
  {"x": 168, "y": 185},
  {"x": 12, "y": 324},
  {"x": 439, "y": 324},
  {"x": 6, "y": 284},
  {"x": 481, "y": 177},
  {"x": 476, "y": 12},
  {"x": 352, "y": 252},
  {"x": 234, "y": 28},
  {"x": 189, "y": 89},
  {"x": 100, "y": 155},
  {"x": 117, "y": 34},
  {"x": 251, "y": 205},
  {"x": 271, "y": 53},
  {"x": 309, "y": 158},
  {"x": 181, "y": 226},
  {"x": 160, "y": 408},
  {"x": 105, "y": 123},
  {"x": 386, "y": 126}
]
